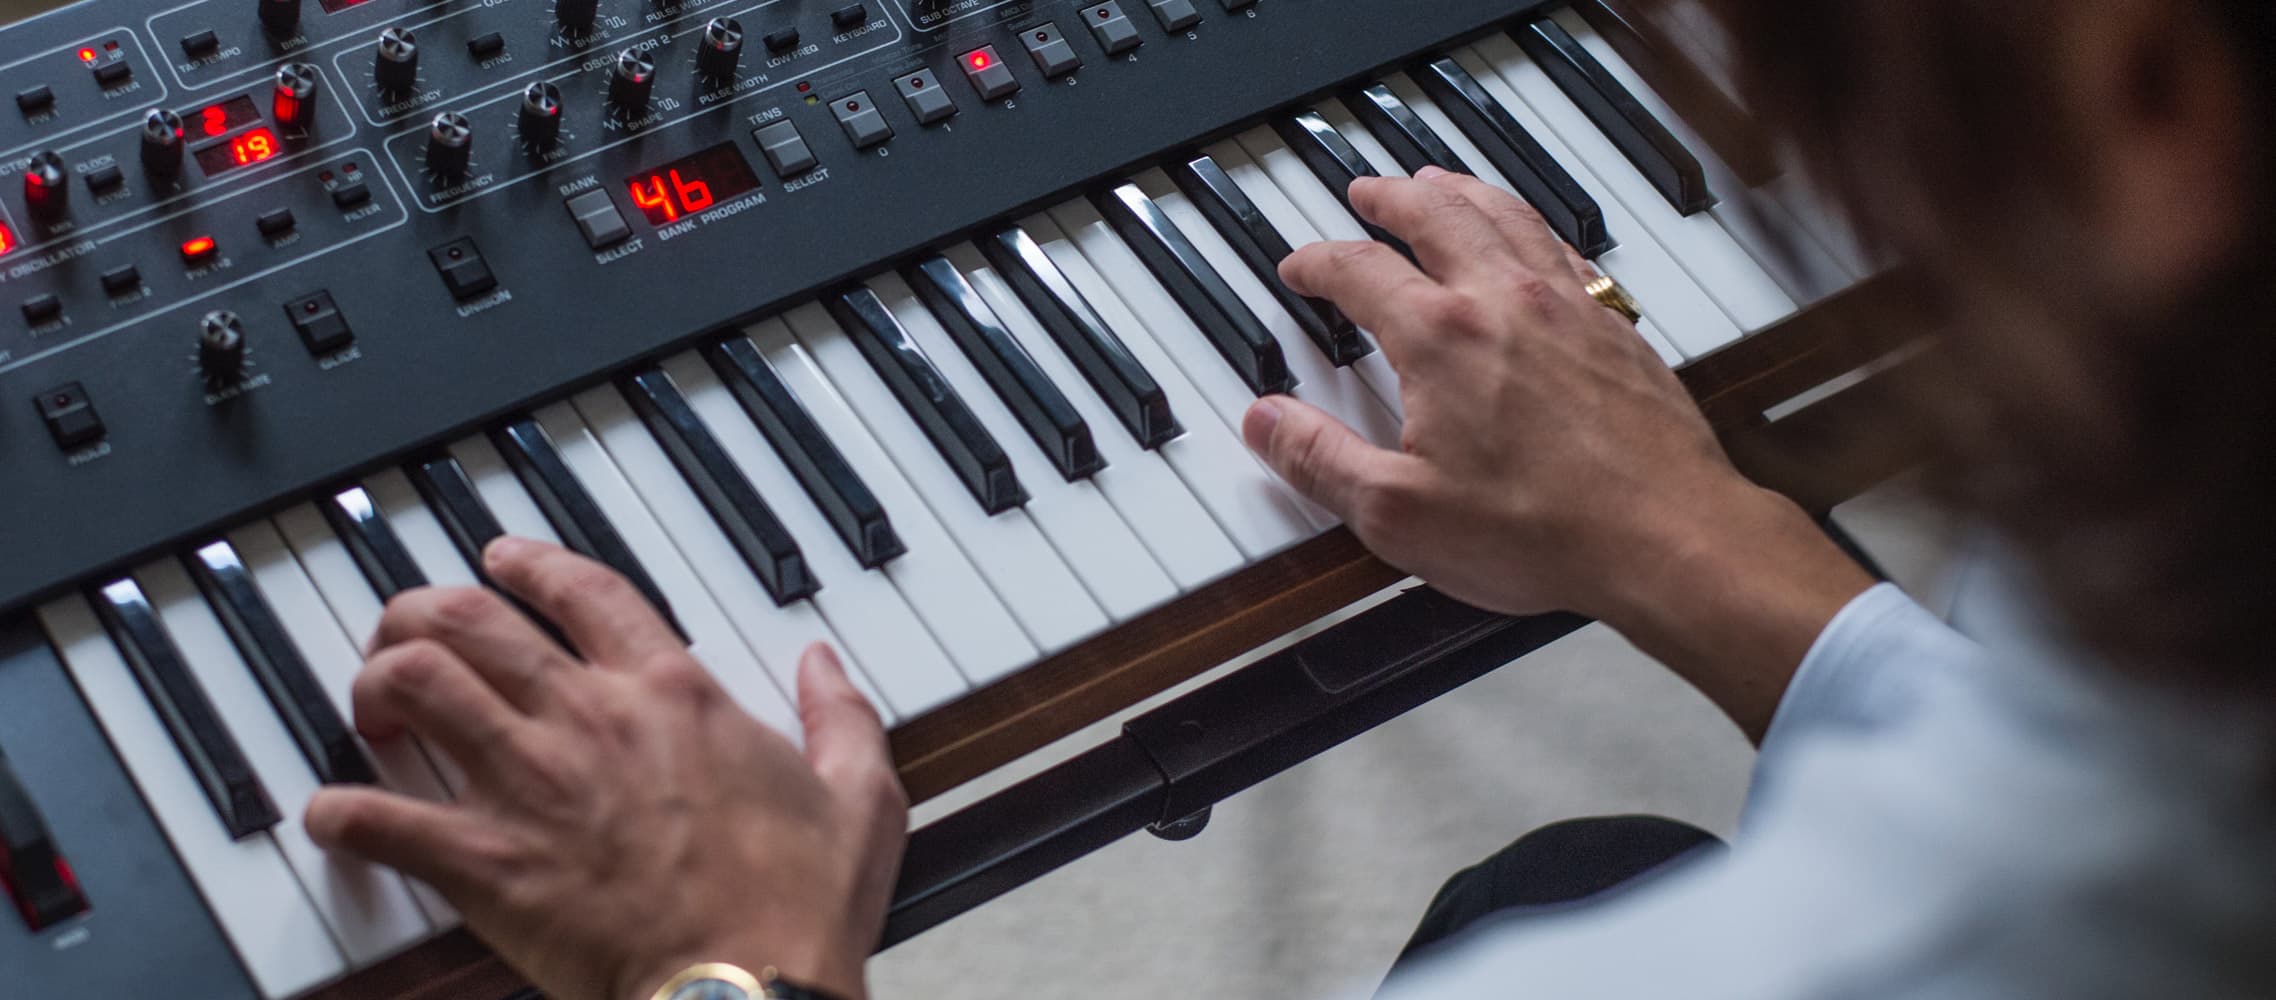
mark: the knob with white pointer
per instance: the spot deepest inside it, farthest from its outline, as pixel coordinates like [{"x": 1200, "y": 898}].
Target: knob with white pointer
[
  {"x": 162, "y": 144},
  {"x": 396, "y": 67},
  {"x": 293, "y": 101},
  {"x": 221, "y": 347},
  {"x": 450, "y": 146},
  {"x": 47, "y": 186},
  {"x": 720, "y": 49},
  {"x": 540, "y": 118},
  {"x": 631, "y": 82}
]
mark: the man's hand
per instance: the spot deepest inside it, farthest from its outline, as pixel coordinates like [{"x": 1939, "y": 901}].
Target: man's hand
[
  {"x": 621, "y": 819},
  {"x": 1550, "y": 460}
]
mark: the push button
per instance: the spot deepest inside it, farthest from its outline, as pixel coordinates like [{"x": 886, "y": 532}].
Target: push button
[
  {"x": 111, "y": 74},
  {"x": 462, "y": 268},
  {"x": 350, "y": 194},
  {"x": 1050, "y": 51},
  {"x": 200, "y": 44},
  {"x": 70, "y": 416},
  {"x": 857, "y": 114},
  {"x": 319, "y": 323},
  {"x": 1175, "y": 15},
  {"x": 33, "y": 100},
  {"x": 275, "y": 222},
  {"x": 785, "y": 149},
  {"x": 782, "y": 41},
  {"x": 598, "y": 219},
  {"x": 32, "y": 869},
  {"x": 849, "y": 18},
  {"x": 1112, "y": 28},
  {"x": 42, "y": 309},
  {"x": 927, "y": 99},
  {"x": 105, "y": 179},
  {"x": 122, "y": 279},
  {"x": 988, "y": 74},
  {"x": 486, "y": 47},
  {"x": 1233, "y": 5}
]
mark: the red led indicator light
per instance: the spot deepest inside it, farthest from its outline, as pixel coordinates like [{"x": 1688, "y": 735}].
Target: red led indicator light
[
  {"x": 980, "y": 60},
  {"x": 7, "y": 238},
  {"x": 198, "y": 248},
  {"x": 86, "y": 55}
]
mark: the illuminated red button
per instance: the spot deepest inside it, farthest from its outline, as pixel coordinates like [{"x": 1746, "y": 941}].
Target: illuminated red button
[
  {"x": 988, "y": 74},
  {"x": 199, "y": 249}
]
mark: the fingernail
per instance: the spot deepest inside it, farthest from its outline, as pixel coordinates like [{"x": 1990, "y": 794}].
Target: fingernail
[
  {"x": 1257, "y": 427},
  {"x": 1432, "y": 173},
  {"x": 500, "y": 548}
]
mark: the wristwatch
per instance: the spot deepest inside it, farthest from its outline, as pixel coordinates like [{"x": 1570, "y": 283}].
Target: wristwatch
[{"x": 721, "y": 981}]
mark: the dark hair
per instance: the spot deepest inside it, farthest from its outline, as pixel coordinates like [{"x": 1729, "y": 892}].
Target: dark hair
[{"x": 2153, "y": 527}]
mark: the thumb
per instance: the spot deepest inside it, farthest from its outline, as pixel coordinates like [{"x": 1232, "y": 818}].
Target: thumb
[
  {"x": 1316, "y": 453},
  {"x": 845, "y": 738}
]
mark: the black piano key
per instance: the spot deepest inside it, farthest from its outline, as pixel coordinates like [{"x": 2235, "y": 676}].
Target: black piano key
[
  {"x": 1198, "y": 289},
  {"x": 324, "y": 738},
  {"x": 1403, "y": 133},
  {"x": 1337, "y": 163},
  {"x": 467, "y": 521},
  {"x": 377, "y": 551},
  {"x": 1137, "y": 400},
  {"x": 962, "y": 442},
  {"x": 1041, "y": 408},
  {"x": 852, "y": 510},
  {"x": 1262, "y": 248},
  {"x": 1640, "y": 137},
  {"x": 575, "y": 516},
  {"x": 750, "y": 525},
  {"x": 1543, "y": 182},
  {"x": 30, "y": 861},
  {"x": 206, "y": 745}
]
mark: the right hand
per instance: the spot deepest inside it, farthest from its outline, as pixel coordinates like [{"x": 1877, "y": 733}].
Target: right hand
[{"x": 1551, "y": 461}]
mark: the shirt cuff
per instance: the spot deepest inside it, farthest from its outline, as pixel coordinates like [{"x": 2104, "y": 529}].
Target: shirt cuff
[{"x": 1866, "y": 668}]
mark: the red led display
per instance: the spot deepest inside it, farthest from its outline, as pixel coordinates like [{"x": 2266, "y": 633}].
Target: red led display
[
  {"x": 252, "y": 146},
  {"x": 691, "y": 184},
  {"x": 216, "y": 120}
]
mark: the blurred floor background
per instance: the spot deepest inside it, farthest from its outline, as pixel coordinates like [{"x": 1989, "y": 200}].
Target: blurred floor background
[{"x": 1307, "y": 885}]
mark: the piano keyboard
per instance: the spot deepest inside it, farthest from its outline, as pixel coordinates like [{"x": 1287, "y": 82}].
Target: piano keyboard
[{"x": 949, "y": 469}]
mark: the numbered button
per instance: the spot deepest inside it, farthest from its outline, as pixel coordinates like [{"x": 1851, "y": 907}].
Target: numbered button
[
  {"x": 927, "y": 99},
  {"x": 857, "y": 114}
]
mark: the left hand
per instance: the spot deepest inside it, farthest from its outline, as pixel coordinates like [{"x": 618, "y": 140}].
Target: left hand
[{"x": 622, "y": 818}]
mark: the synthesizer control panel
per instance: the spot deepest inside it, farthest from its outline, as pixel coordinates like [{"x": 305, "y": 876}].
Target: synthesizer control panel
[{"x": 248, "y": 247}]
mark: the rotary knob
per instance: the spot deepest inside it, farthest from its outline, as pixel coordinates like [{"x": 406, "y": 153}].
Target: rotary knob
[
  {"x": 540, "y": 120},
  {"x": 221, "y": 347},
  {"x": 162, "y": 144},
  {"x": 576, "y": 15},
  {"x": 396, "y": 67},
  {"x": 47, "y": 186},
  {"x": 294, "y": 99},
  {"x": 450, "y": 146},
  {"x": 720, "y": 49},
  {"x": 629, "y": 85},
  {"x": 280, "y": 16}
]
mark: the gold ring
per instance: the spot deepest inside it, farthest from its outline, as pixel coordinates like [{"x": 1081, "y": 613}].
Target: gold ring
[{"x": 1610, "y": 295}]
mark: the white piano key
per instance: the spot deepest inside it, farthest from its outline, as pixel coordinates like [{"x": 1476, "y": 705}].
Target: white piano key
[
  {"x": 1261, "y": 513},
  {"x": 417, "y": 528},
  {"x": 1173, "y": 522},
  {"x": 1675, "y": 303},
  {"x": 1699, "y": 244},
  {"x": 1339, "y": 391},
  {"x": 502, "y": 491},
  {"x": 711, "y": 639},
  {"x": 1089, "y": 535},
  {"x": 775, "y": 635},
  {"x": 369, "y": 909},
  {"x": 927, "y": 503},
  {"x": 908, "y": 671},
  {"x": 1826, "y": 251},
  {"x": 809, "y": 621},
  {"x": 402, "y": 765},
  {"x": 254, "y": 897}
]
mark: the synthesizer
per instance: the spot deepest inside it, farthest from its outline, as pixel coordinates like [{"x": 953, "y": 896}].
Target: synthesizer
[{"x": 919, "y": 327}]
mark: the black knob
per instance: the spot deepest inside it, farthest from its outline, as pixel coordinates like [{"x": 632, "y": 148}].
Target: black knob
[
  {"x": 280, "y": 16},
  {"x": 576, "y": 15},
  {"x": 720, "y": 49},
  {"x": 47, "y": 186},
  {"x": 397, "y": 65},
  {"x": 221, "y": 347},
  {"x": 294, "y": 99},
  {"x": 162, "y": 144},
  {"x": 450, "y": 145},
  {"x": 541, "y": 116},
  {"x": 635, "y": 76}
]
